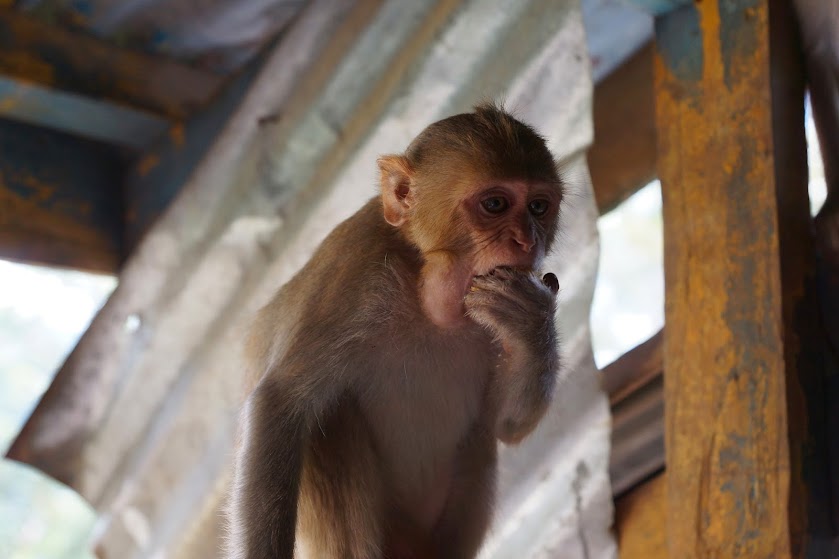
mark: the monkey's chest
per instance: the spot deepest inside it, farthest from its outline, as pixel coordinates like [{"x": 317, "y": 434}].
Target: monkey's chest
[{"x": 422, "y": 409}]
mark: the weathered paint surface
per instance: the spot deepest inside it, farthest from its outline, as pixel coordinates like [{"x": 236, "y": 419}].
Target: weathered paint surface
[
  {"x": 736, "y": 38},
  {"x": 59, "y": 199},
  {"x": 728, "y": 449},
  {"x": 219, "y": 35},
  {"x": 659, "y": 7},
  {"x": 679, "y": 36},
  {"x": 745, "y": 460},
  {"x": 38, "y": 53},
  {"x": 78, "y": 115}
]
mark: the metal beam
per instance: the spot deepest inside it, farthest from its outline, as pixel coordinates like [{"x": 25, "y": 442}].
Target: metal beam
[
  {"x": 59, "y": 199},
  {"x": 79, "y": 115},
  {"x": 659, "y": 7},
  {"x": 742, "y": 408},
  {"x": 36, "y": 57}
]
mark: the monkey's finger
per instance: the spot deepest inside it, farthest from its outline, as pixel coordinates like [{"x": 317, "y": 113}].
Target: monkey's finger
[{"x": 551, "y": 281}]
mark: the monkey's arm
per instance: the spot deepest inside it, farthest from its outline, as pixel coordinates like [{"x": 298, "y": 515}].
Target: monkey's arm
[
  {"x": 264, "y": 505},
  {"x": 275, "y": 428},
  {"x": 518, "y": 308}
]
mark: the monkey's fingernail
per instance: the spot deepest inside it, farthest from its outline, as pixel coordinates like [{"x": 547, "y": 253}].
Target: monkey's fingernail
[{"x": 551, "y": 281}]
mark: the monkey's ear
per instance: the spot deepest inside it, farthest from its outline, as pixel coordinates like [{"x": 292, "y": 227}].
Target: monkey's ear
[{"x": 396, "y": 177}]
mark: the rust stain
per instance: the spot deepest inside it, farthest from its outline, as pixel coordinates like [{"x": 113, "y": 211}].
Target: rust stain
[
  {"x": 177, "y": 135},
  {"x": 709, "y": 22},
  {"x": 40, "y": 191},
  {"x": 25, "y": 219},
  {"x": 30, "y": 233},
  {"x": 8, "y": 104},
  {"x": 27, "y": 67},
  {"x": 100, "y": 70},
  {"x": 147, "y": 164},
  {"x": 728, "y": 471}
]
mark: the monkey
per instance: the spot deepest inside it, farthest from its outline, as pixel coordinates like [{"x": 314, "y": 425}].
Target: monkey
[{"x": 417, "y": 336}]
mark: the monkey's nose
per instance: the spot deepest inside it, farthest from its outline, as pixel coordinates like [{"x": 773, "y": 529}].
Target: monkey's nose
[{"x": 526, "y": 243}]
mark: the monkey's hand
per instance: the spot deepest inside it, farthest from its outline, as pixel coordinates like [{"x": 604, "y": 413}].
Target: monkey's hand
[{"x": 518, "y": 309}]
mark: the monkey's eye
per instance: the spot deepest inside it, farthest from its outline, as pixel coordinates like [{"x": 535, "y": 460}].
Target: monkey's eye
[
  {"x": 495, "y": 204},
  {"x": 538, "y": 207}
]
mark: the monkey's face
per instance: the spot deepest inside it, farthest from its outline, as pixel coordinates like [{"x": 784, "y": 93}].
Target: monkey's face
[
  {"x": 510, "y": 224},
  {"x": 468, "y": 228},
  {"x": 472, "y": 193}
]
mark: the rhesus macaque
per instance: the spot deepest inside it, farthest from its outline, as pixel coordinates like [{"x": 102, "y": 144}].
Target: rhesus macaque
[{"x": 417, "y": 335}]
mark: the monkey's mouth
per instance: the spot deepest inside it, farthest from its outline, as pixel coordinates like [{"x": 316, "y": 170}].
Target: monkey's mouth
[
  {"x": 549, "y": 279},
  {"x": 515, "y": 268}
]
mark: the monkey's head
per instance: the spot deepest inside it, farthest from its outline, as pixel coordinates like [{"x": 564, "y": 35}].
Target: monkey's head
[{"x": 481, "y": 189}]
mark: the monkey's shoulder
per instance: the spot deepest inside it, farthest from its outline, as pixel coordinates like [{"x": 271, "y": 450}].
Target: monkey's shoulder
[{"x": 362, "y": 269}]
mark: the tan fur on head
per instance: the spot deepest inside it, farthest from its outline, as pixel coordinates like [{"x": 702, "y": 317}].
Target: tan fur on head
[{"x": 458, "y": 153}]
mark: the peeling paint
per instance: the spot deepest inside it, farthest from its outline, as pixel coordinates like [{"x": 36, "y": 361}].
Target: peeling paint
[
  {"x": 54, "y": 57},
  {"x": 737, "y": 41},
  {"x": 57, "y": 201},
  {"x": 677, "y": 35},
  {"x": 727, "y": 455}
]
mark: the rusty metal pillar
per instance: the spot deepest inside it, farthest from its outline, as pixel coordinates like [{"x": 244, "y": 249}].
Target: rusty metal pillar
[{"x": 743, "y": 408}]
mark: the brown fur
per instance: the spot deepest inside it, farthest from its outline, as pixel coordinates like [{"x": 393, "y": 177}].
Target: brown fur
[{"x": 388, "y": 366}]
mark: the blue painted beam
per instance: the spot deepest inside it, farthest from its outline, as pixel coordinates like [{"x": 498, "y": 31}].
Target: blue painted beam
[
  {"x": 659, "y": 7},
  {"x": 60, "y": 201},
  {"x": 57, "y": 58},
  {"x": 82, "y": 116},
  {"x": 73, "y": 82}
]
